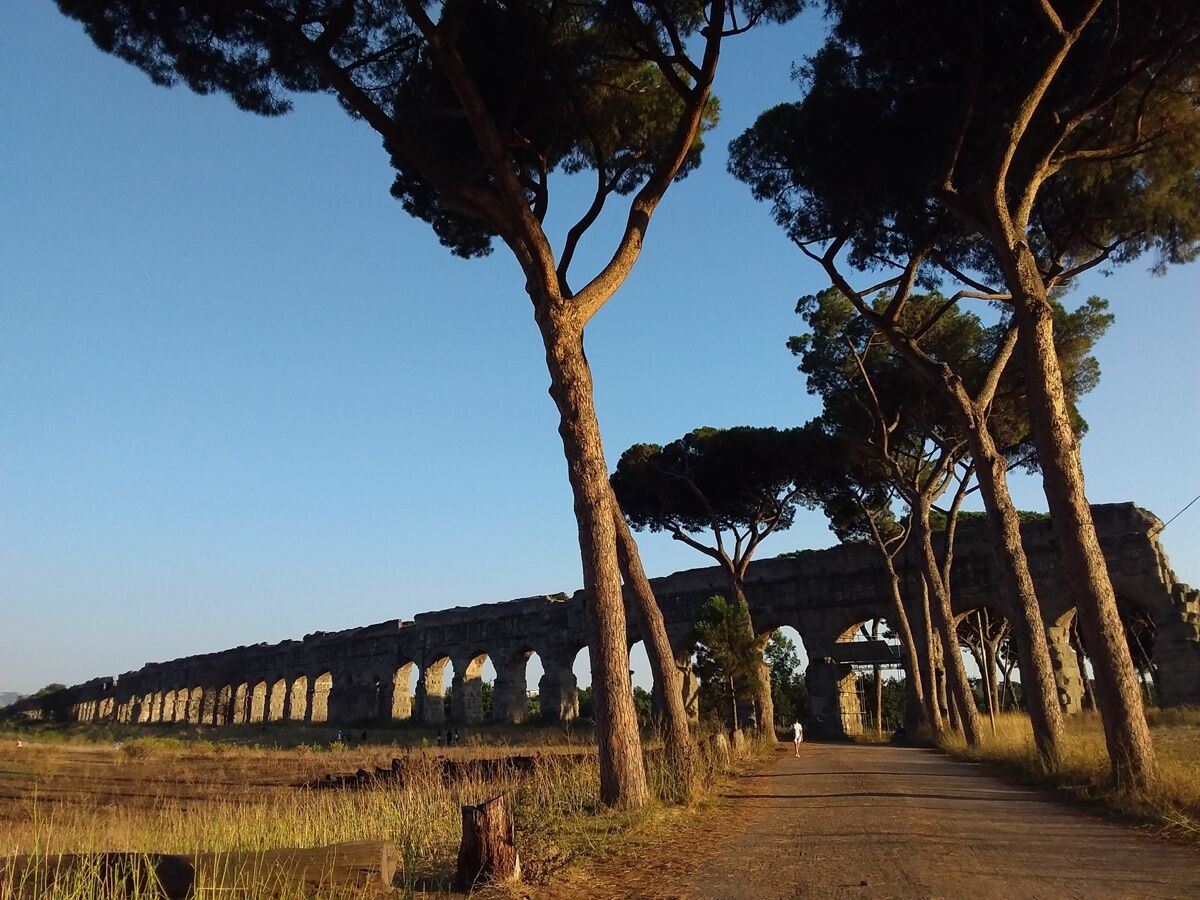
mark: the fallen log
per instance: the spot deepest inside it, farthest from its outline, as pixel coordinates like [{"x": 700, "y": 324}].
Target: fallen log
[
  {"x": 90, "y": 874},
  {"x": 258, "y": 873}
]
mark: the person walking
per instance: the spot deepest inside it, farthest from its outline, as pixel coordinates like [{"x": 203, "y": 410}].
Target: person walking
[{"x": 797, "y": 736}]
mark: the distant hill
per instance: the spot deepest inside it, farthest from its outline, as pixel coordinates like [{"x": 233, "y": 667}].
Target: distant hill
[{"x": 7, "y": 698}]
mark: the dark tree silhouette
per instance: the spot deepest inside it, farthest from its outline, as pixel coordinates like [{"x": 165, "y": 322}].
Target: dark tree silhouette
[
  {"x": 1016, "y": 145},
  {"x": 737, "y": 485}
]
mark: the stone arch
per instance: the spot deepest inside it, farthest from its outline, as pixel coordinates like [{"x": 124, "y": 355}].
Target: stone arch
[
  {"x": 404, "y": 685},
  {"x": 258, "y": 702},
  {"x": 241, "y": 699},
  {"x": 298, "y": 699},
  {"x": 581, "y": 670},
  {"x": 885, "y": 684},
  {"x": 156, "y": 707},
  {"x": 182, "y": 695},
  {"x": 168, "y": 710},
  {"x": 789, "y": 688},
  {"x": 277, "y": 705},
  {"x": 1141, "y": 619},
  {"x": 431, "y": 691},
  {"x": 322, "y": 687},
  {"x": 558, "y": 693},
  {"x": 641, "y": 680}
]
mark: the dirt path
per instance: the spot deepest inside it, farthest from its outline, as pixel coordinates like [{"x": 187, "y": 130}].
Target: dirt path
[{"x": 853, "y": 820}]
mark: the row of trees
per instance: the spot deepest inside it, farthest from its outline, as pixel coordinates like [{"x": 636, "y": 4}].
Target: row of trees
[
  {"x": 886, "y": 448},
  {"x": 1005, "y": 149}
]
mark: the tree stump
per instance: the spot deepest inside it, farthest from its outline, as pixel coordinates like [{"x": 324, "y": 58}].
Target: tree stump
[
  {"x": 487, "y": 852},
  {"x": 739, "y": 742},
  {"x": 720, "y": 745}
]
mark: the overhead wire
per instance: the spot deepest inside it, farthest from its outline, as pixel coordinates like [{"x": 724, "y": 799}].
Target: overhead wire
[{"x": 1180, "y": 513}]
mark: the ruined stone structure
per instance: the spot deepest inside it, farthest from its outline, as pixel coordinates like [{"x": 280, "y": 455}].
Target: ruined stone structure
[{"x": 365, "y": 673}]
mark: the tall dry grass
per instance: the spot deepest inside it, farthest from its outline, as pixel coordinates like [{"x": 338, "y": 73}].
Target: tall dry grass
[
  {"x": 1173, "y": 802},
  {"x": 558, "y": 815}
]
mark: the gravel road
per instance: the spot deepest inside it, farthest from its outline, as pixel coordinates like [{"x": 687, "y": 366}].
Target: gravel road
[{"x": 855, "y": 820}]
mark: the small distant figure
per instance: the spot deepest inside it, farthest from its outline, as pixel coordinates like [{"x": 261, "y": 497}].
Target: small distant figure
[
  {"x": 363, "y": 739},
  {"x": 341, "y": 736},
  {"x": 439, "y": 737},
  {"x": 20, "y": 744},
  {"x": 797, "y": 736},
  {"x": 457, "y": 736}
]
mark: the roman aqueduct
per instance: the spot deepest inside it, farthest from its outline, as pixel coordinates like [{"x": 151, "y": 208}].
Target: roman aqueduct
[{"x": 365, "y": 674}]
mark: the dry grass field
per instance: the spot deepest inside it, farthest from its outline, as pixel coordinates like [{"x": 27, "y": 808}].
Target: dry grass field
[
  {"x": 1173, "y": 804},
  {"x": 64, "y": 792}
]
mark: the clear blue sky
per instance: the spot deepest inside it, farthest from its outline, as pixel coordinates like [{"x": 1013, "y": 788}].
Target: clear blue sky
[{"x": 244, "y": 397}]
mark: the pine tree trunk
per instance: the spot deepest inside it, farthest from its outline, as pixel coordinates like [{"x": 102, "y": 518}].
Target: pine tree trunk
[
  {"x": 943, "y": 617},
  {"x": 1010, "y": 553},
  {"x": 989, "y": 653},
  {"x": 622, "y": 775},
  {"x": 1004, "y": 522},
  {"x": 1125, "y": 729},
  {"x": 933, "y": 704},
  {"x": 878, "y": 683},
  {"x": 912, "y": 662},
  {"x": 677, "y": 737}
]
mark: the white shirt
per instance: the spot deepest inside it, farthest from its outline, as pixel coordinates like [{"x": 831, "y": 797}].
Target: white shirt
[{"x": 797, "y": 731}]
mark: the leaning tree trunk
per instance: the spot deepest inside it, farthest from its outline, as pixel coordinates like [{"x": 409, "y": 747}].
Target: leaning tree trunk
[
  {"x": 622, "y": 775},
  {"x": 943, "y": 617},
  {"x": 677, "y": 737},
  {"x": 1126, "y": 732},
  {"x": 928, "y": 672},
  {"x": 1004, "y": 522},
  {"x": 912, "y": 662}
]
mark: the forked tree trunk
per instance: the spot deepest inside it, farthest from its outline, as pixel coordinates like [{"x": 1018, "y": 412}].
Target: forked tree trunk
[
  {"x": 622, "y": 775},
  {"x": 956, "y": 673},
  {"x": 1126, "y": 732},
  {"x": 668, "y": 682}
]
